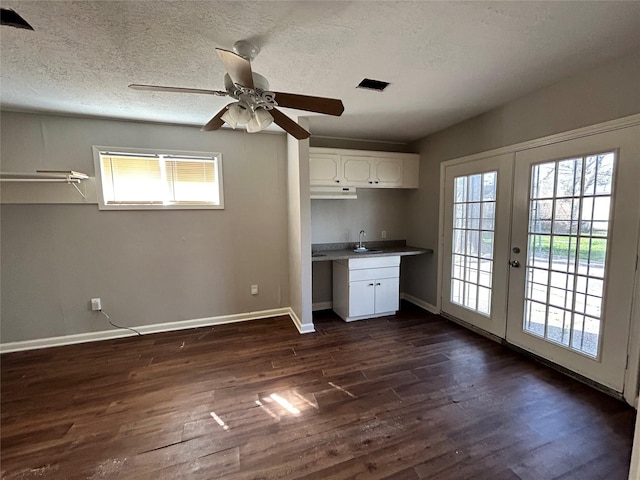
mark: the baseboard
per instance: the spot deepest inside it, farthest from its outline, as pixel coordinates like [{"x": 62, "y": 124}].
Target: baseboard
[
  {"x": 473, "y": 328},
  {"x": 420, "y": 303},
  {"x": 147, "y": 329},
  {"x": 308, "y": 328},
  {"x": 322, "y": 306}
]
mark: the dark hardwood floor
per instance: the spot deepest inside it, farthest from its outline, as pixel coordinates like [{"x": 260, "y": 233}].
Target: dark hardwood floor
[{"x": 405, "y": 397}]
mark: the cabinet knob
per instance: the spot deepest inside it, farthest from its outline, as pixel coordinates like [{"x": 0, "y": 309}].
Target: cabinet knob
[
  {"x": 376, "y": 181},
  {"x": 371, "y": 284},
  {"x": 337, "y": 181},
  {"x": 370, "y": 181},
  {"x": 378, "y": 284}
]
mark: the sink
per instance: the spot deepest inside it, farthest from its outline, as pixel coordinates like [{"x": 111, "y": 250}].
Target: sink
[{"x": 367, "y": 250}]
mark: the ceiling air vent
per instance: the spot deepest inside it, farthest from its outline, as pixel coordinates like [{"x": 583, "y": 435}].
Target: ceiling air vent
[{"x": 373, "y": 84}]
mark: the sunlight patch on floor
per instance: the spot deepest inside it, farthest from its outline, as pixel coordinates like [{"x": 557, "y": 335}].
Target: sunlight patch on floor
[{"x": 219, "y": 421}]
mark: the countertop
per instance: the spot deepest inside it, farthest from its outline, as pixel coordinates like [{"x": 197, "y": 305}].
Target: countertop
[{"x": 322, "y": 252}]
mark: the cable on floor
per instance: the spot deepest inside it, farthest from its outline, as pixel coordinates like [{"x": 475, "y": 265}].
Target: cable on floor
[{"x": 118, "y": 326}]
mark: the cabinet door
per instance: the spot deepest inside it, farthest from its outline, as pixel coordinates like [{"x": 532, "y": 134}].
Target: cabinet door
[
  {"x": 387, "y": 298},
  {"x": 361, "y": 298},
  {"x": 388, "y": 172},
  {"x": 325, "y": 169},
  {"x": 357, "y": 170}
]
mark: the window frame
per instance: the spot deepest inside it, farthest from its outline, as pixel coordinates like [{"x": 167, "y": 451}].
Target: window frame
[{"x": 102, "y": 205}]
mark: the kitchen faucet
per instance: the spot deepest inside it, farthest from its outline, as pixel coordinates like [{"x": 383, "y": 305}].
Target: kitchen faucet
[{"x": 360, "y": 235}]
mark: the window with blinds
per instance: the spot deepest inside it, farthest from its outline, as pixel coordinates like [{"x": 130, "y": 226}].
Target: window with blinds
[{"x": 143, "y": 180}]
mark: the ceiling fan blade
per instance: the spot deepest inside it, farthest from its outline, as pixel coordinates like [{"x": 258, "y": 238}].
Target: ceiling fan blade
[
  {"x": 288, "y": 125},
  {"x": 158, "y": 88},
  {"x": 238, "y": 68},
  {"x": 330, "y": 106},
  {"x": 12, "y": 19},
  {"x": 216, "y": 122}
]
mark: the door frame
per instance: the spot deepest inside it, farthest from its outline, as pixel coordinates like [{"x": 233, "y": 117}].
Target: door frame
[{"x": 631, "y": 384}]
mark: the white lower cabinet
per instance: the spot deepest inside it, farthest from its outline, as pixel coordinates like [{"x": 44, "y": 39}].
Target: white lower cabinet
[{"x": 366, "y": 287}]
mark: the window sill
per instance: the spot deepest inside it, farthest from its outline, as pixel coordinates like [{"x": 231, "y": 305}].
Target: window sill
[{"x": 160, "y": 207}]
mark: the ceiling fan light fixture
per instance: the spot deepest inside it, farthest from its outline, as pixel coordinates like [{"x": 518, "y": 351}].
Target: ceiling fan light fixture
[
  {"x": 260, "y": 120},
  {"x": 226, "y": 117},
  {"x": 253, "y": 126},
  {"x": 263, "y": 117},
  {"x": 240, "y": 112}
]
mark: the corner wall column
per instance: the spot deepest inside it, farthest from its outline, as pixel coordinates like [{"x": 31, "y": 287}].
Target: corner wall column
[{"x": 299, "y": 233}]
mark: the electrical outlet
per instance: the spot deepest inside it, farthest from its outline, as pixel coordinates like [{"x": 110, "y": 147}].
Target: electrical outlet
[
  {"x": 96, "y": 304},
  {"x": 384, "y": 234},
  {"x": 254, "y": 289}
]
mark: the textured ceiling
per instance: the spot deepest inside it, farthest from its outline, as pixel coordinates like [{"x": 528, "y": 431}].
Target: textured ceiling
[{"x": 446, "y": 61}]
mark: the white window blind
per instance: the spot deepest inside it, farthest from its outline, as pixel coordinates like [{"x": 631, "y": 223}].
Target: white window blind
[
  {"x": 192, "y": 180},
  {"x": 144, "y": 180}
]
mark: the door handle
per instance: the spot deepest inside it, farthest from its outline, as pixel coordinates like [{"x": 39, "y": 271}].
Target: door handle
[{"x": 514, "y": 264}]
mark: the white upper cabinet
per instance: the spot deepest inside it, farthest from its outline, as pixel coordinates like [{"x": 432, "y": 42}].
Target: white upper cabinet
[
  {"x": 368, "y": 171},
  {"x": 325, "y": 169},
  {"x": 364, "y": 169},
  {"x": 388, "y": 171},
  {"x": 358, "y": 171}
]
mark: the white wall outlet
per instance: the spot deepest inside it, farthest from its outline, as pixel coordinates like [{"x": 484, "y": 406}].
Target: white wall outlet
[
  {"x": 383, "y": 235},
  {"x": 96, "y": 304},
  {"x": 254, "y": 289}
]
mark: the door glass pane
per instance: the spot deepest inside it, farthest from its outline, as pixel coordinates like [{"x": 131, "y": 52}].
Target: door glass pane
[
  {"x": 489, "y": 186},
  {"x": 474, "y": 212},
  {"x": 488, "y": 215},
  {"x": 543, "y": 180},
  {"x": 569, "y": 213}
]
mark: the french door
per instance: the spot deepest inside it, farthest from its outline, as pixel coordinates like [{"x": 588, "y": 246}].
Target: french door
[
  {"x": 564, "y": 251},
  {"x": 476, "y": 235}
]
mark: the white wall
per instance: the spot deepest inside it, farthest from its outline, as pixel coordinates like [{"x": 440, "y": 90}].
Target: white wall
[
  {"x": 605, "y": 93},
  {"x": 337, "y": 221},
  {"x": 299, "y": 230},
  {"x": 353, "y": 144},
  {"x": 148, "y": 267}
]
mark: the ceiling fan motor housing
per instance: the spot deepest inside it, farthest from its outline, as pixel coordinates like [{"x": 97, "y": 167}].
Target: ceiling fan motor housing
[{"x": 254, "y": 98}]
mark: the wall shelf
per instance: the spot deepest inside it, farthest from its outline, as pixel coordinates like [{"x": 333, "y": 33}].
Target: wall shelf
[{"x": 70, "y": 177}]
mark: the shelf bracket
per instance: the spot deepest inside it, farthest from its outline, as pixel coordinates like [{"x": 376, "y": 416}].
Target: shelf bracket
[{"x": 74, "y": 184}]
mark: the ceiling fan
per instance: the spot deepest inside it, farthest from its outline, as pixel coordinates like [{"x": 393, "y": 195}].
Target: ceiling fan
[{"x": 255, "y": 105}]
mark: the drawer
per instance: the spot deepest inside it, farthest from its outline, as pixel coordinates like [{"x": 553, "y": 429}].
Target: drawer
[
  {"x": 374, "y": 273},
  {"x": 374, "y": 262}
]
